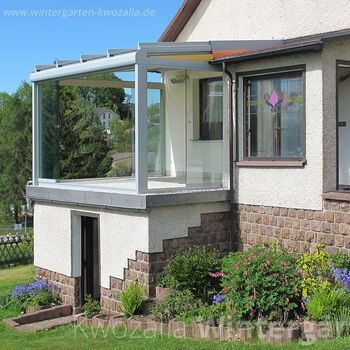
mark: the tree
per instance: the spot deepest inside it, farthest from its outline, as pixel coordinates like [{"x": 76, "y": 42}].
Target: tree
[
  {"x": 121, "y": 134},
  {"x": 113, "y": 98},
  {"x": 84, "y": 151},
  {"x": 15, "y": 148}
]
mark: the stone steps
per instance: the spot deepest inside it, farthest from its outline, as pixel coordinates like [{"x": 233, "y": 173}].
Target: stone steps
[
  {"x": 46, "y": 325},
  {"x": 43, "y": 319}
]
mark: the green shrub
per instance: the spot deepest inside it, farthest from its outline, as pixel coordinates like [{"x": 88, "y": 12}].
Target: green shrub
[
  {"x": 315, "y": 270},
  {"x": 261, "y": 282},
  {"x": 42, "y": 298},
  {"x": 131, "y": 298},
  {"x": 210, "y": 313},
  {"x": 190, "y": 270},
  {"x": 5, "y": 300},
  {"x": 340, "y": 260},
  {"x": 325, "y": 303},
  {"x": 174, "y": 304},
  {"x": 120, "y": 170},
  {"x": 91, "y": 307},
  {"x": 339, "y": 322}
]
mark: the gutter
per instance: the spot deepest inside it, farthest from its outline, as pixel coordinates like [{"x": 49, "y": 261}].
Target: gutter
[{"x": 233, "y": 246}]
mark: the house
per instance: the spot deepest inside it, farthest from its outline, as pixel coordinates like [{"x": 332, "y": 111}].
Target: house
[
  {"x": 253, "y": 146},
  {"x": 105, "y": 114}
]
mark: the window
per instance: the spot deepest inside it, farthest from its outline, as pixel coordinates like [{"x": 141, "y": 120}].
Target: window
[
  {"x": 274, "y": 116},
  {"x": 211, "y": 109}
]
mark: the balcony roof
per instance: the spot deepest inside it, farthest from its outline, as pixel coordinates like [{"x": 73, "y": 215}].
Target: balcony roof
[{"x": 156, "y": 56}]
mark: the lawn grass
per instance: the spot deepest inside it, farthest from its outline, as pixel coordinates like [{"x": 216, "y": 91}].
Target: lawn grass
[
  {"x": 14, "y": 276},
  {"x": 75, "y": 337}
]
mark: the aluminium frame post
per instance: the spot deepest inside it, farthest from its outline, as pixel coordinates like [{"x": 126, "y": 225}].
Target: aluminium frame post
[
  {"x": 35, "y": 133},
  {"x": 141, "y": 128}
]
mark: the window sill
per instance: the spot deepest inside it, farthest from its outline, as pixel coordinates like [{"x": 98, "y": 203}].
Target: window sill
[
  {"x": 271, "y": 164},
  {"x": 337, "y": 196}
]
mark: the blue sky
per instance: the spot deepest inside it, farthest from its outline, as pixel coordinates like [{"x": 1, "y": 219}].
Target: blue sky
[{"x": 41, "y": 35}]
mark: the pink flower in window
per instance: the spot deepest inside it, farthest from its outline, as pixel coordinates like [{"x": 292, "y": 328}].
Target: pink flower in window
[{"x": 273, "y": 99}]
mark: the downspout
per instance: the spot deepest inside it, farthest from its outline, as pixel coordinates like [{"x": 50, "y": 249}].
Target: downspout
[{"x": 233, "y": 245}]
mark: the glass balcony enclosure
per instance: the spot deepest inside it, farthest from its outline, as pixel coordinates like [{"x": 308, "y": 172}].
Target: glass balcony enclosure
[{"x": 149, "y": 124}]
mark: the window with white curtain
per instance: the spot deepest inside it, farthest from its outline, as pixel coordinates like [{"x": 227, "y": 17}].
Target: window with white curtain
[
  {"x": 274, "y": 116},
  {"x": 211, "y": 108}
]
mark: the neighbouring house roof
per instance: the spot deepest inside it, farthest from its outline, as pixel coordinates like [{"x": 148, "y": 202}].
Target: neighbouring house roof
[
  {"x": 177, "y": 24},
  {"x": 100, "y": 110},
  {"x": 301, "y": 44}
]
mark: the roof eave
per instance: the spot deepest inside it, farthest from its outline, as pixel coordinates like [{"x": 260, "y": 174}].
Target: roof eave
[
  {"x": 178, "y": 23},
  {"x": 314, "y": 46}
]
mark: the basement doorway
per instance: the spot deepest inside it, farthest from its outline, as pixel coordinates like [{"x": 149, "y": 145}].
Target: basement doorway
[{"x": 90, "y": 264}]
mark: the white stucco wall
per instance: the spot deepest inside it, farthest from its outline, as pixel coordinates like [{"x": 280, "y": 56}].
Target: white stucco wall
[
  {"x": 174, "y": 221},
  {"x": 52, "y": 239},
  {"x": 257, "y": 19},
  {"x": 175, "y": 131},
  {"x": 287, "y": 187},
  {"x": 121, "y": 233}
]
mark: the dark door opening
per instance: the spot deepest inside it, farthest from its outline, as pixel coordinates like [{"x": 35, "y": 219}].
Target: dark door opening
[{"x": 90, "y": 264}]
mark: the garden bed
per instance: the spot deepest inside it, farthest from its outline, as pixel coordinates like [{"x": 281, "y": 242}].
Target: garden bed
[{"x": 267, "y": 294}]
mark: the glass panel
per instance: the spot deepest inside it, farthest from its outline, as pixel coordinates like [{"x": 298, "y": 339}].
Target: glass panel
[
  {"x": 166, "y": 133},
  {"x": 204, "y": 114},
  {"x": 49, "y": 130},
  {"x": 87, "y": 132},
  {"x": 343, "y": 109},
  {"x": 154, "y": 132},
  {"x": 275, "y": 117},
  {"x": 211, "y": 109}
]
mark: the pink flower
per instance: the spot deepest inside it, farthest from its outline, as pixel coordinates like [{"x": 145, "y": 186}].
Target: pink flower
[
  {"x": 247, "y": 263},
  {"x": 217, "y": 274},
  {"x": 233, "y": 311},
  {"x": 236, "y": 266},
  {"x": 283, "y": 262}
]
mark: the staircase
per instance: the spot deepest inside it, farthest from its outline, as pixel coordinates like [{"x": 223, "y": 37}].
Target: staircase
[{"x": 43, "y": 319}]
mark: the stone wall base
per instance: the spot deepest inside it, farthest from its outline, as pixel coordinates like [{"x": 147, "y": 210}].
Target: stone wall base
[
  {"x": 296, "y": 229},
  {"x": 68, "y": 287}
]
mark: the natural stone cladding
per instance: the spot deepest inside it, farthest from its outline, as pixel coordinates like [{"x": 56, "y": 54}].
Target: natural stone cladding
[
  {"x": 214, "y": 231},
  {"x": 296, "y": 229},
  {"x": 68, "y": 288}
]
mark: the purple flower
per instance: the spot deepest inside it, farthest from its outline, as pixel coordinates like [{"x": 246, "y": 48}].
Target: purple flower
[
  {"x": 19, "y": 291},
  {"x": 37, "y": 286},
  {"x": 31, "y": 289},
  {"x": 342, "y": 276},
  {"x": 218, "y": 298}
]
